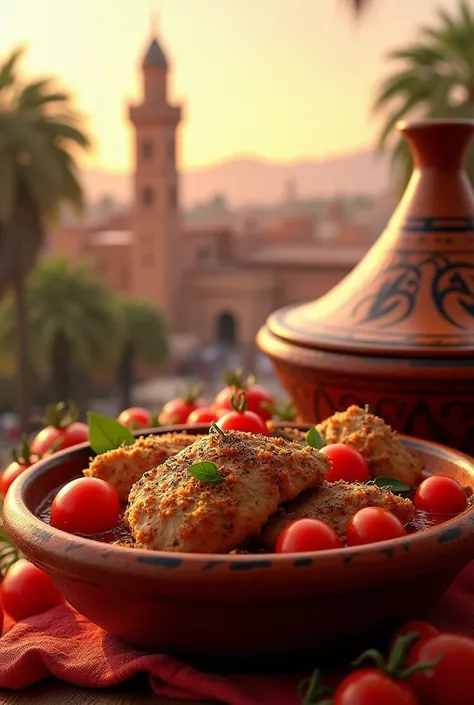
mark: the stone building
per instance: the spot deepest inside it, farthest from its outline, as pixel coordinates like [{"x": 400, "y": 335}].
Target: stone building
[{"x": 216, "y": 283}]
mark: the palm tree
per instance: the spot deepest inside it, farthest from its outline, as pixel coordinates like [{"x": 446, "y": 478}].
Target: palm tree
[
  {"x": 433, "y": 78},
  {"x": 40, "y": 134},
  {"x": 144, "y": 339},
  {"x": 71, "y": 321}
]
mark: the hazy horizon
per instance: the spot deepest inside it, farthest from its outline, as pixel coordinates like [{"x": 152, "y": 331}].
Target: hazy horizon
[
  {"x": 253, "y": 181},
  {"x": 289, "y": 85},
  {"x": 246, "y": 158}
]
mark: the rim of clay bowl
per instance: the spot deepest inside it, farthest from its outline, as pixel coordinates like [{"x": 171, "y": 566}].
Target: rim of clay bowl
[{"x": 27, "y": 529}]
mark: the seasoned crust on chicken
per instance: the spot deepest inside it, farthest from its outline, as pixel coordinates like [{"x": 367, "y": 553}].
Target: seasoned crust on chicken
[
  {"x": 170, "y": 510},
  {"x": 335, "y": 503},
  {"x": 123, "y": 466},
  {"x": 377, "y": 442},
  {"x": 372, "y": 437},
  {"x": 288, "y": 432}
]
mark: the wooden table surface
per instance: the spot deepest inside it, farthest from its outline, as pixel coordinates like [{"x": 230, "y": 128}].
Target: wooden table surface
[{"x": 135, "y": 692}]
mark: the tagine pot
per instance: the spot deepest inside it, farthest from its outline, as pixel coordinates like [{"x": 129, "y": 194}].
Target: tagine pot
[{"x": 398, "y": 332}]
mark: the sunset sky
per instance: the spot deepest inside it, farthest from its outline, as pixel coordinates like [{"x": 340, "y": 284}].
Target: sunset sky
[{"x": 279, "y": 79}]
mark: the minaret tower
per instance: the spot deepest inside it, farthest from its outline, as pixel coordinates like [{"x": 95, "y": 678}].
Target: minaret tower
[{"x": 155, "y": 221}]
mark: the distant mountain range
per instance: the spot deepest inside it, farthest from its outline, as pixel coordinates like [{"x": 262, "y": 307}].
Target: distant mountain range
[{"x": 246, "y": 181}]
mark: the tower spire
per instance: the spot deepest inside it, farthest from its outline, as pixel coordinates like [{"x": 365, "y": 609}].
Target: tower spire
[{"x": 154, "y": 20}]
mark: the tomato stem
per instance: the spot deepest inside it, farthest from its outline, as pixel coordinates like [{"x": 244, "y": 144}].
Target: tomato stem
[
  {"x": 398, "y": 656},
  {"x": 311, "y": 689},
  {"x": 395, "y": 666},
  {"x": 22, "y": 454},
  {"x": 235, "y": 378},
  {"x": 371, "y": 655},
  {"x": 155, "y": 420},
  {"x": 60, "y": 415},
  {"x": 239, "y": 401},
  {"x": 55, "y": 446},
  {"x": 284, "y": 412},
  {"x": 193, "y": 393}
]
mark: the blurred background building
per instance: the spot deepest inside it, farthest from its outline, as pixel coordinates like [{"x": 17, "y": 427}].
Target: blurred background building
[{"x": 216, "y": 272}]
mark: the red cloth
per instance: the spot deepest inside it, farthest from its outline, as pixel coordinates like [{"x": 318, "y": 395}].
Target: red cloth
[{"x": 64, "y": 644}]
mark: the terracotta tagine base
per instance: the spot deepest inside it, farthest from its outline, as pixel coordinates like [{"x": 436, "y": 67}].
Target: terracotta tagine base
[{"x": 398, "y": 332}]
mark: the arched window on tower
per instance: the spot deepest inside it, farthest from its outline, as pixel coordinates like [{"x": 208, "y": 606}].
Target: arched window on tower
[
  {"x": 147, "y": 150},
  {"x": 148, "y": 196}
]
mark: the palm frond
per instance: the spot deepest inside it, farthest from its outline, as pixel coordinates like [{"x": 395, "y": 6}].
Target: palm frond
[
  {"x": 8, "y": 69},
  {"x": 399, "y": 84},
  {"x": 40, "y": 93},
  {"x": 467, "y": 13},
  {"x": 447, "y": 21},
  {"x": 425, "y": 81},
  {"x": 409, "y": 104},
  {"x": 69, "y": 299},
  {"x": 40, "y": 136},
  {"x": 417, "y": 55},
  {"x": 61, "y": 129}
]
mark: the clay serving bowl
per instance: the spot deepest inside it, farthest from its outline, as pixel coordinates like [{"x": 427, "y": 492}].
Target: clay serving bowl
[{"x": 242, "y": 607}]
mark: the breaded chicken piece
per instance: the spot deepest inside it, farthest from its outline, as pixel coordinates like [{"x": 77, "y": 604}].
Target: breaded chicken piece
[
  {"x": 123, "y": 466},
  {"x": 288, "y": 432},
  {"x": 377, "y": 442},
  {"x": 335, "y": 503},
  {"x": 170, "y": 510}
]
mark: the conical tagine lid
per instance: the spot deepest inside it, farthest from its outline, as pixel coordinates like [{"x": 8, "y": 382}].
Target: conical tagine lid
[{"x": 413, "y": 293}]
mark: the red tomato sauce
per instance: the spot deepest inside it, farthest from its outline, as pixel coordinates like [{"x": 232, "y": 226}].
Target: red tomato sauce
[{"x": 121, "y": 534}]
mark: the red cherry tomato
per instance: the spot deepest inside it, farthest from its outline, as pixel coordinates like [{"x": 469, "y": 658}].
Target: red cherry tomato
[
  {"x": 26, "y": 591},
  {"x": 9, "y": 474},
  {"x": 347, "y": 463},
  {"x": 255, "y": 394},
  {"x": 370, "y": 686},
  {"x": 177, "y": 411},
  {"x": 60, "y": 438},
  {"x": 243, "y": 421},
  {"x": 307, "y": 535},
  {"x": 449, "y": 682},
  {"x": 373, "y": 524},
  {"x": 203, "y": 415},
  {"x": 439, "y": 494},
  {"x": 135, "y": 417},
  {"x": 87, "y": 505},
  {"x": 423, "y": 629}
]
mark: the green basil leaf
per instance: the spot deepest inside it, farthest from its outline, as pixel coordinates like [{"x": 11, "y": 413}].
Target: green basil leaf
[
  {"x": 107, "y": 434},
  {"x": 207, "y": 472},
  {"x": 315, "y": 439},
  {"x": 390, "y": 483}
]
